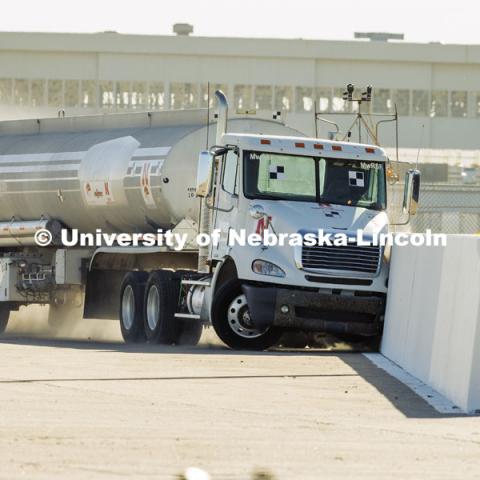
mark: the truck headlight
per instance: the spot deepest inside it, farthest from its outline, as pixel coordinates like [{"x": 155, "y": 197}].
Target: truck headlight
[{"x": 266, "y": 268}]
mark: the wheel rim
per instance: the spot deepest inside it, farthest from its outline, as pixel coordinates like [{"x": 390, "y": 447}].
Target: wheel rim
[
  {"x": 128, "y": 307},
  {"x": 239, "y": 319},
  {"x": 153, "y": 307}
]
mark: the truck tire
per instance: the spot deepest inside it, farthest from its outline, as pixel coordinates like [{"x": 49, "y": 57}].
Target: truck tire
[
  {"x": 4, "y": 316},
  {"x": 231, "y": 320},
  {"x": 131, "y": 307},
  {"x": 189, "y": 332},
  {"x": 160, "y": 304},
  {"x": 294, "y": 339}
]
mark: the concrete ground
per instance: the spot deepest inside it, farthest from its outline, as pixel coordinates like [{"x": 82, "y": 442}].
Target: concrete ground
[{"x": 73, "y": 408}]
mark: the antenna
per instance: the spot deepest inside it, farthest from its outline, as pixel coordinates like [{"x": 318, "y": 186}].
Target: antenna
[
  {"x": 420, "y": 145},
  {"x": 208, "y": 112}
]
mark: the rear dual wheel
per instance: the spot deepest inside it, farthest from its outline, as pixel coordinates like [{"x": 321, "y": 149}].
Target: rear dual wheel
[
  {"x": 131, "y": 306},
  {"x": 161, "y": 302},
  {"x": 147, "y": 310},
  {"x": 161, "y": 297}
]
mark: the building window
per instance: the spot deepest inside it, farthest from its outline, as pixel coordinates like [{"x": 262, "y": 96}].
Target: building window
[
  {"x": 338, "y": 103},
  {"x": 106, "y": 94},
  {"x": 20, "y": 91},
  {"x": 156, "y": 96},
  {"x": 5, "y": 90},
  {"x": 420, "y": 103},
  {"x": 55, "y": 93},
  {"x": 263, "y": 97},
  {"x": 123, "y": 94},
  {"x": 459, "y": 104},
  {"x": 72, "y": 88},
  {"x": 381, "y": 100},
  {"x": 242, "y": 97},
  {"x": 88, "y": 96},
  {"x": 139, "y": 94},
  {"x": 324, "y": 98},
  {"x": 304, "y": 99},
  {"x": 37, "y": 93},
  {"x": 183, "y": 95},
  {"x": 439, "y": 104},
  {"x": 283, "y": 98},
  {"x": 401, "y": 98}
]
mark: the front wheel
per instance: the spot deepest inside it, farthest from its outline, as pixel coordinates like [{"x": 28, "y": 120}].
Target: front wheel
[{"x": 232, "y": 323}]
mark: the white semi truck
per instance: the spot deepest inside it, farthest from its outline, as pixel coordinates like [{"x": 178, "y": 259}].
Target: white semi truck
[{"x": 150, "y": 172}]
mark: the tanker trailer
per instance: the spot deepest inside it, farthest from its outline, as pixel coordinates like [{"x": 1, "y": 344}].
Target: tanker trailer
[
  {"x": 114, "y": 173},
  {"x": 149, "y": 172}
]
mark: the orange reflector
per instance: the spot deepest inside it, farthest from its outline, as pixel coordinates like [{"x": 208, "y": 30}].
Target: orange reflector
[
  {"x": 337, "y": 148},
  {"x": 318, "y": 146},
  {"x": 264, "y": 141},
  {"x": 370, "y": 150},
  {"x": 300, "y": 145}
]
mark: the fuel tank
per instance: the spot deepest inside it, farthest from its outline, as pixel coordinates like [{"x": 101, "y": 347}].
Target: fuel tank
[{"x": 119, "y": 172}]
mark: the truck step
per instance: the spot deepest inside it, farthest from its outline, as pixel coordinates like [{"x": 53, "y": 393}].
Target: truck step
[
  {"x": 196, "y": 282},
  {"x": 192, "y": 316}
]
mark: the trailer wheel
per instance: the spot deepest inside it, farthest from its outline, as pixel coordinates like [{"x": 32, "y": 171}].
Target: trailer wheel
[
  {"x": 231, "y": 321},
  {"x": 131, "y": 306},
  {"x": 4, "y": 316},
  {"x": 160, "y": 304}
]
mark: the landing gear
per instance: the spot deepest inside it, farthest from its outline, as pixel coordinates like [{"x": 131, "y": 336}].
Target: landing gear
[
  {"x": 4, "y": 316},
  {"x": 131, "y": 307},
  {"x": 232, "y": 323}
]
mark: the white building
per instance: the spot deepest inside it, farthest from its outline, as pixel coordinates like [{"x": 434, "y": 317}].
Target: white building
[{"x": 435, "y": 86}]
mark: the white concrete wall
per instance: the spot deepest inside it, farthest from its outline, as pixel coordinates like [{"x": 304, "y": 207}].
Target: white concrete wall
[{"x": 432, "y": 322}]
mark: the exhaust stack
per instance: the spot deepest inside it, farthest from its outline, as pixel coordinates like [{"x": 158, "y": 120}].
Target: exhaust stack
[{"x": 222, "y": 116}]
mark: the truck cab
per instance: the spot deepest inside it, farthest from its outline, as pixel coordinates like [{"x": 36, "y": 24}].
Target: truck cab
[{"x": 294, "y": 185}]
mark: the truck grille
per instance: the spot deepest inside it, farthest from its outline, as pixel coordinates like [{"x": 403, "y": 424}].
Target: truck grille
[{"x": 351, "y": 258}]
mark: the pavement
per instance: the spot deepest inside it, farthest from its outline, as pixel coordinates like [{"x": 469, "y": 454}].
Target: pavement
[{"x": 87, "y": 406}]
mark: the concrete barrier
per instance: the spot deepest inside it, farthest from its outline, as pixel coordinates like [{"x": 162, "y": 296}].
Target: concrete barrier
[{"x": 432, "y": 320}]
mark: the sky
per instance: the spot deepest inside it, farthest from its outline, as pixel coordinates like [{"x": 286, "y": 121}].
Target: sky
[{"x": 422, "y": 21}]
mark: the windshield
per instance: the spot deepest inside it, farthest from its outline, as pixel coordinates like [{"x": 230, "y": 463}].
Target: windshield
[{"x": 314, "y": 179}]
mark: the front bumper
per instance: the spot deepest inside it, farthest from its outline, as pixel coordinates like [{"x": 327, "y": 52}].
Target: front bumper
[{"x": 313, "y": 311}]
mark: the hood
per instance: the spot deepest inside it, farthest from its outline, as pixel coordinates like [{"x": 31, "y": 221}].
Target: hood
[{"x": 291, "y": 217}]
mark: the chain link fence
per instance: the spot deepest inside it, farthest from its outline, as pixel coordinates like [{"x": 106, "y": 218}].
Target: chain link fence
[{"x": 449, "y": 199}]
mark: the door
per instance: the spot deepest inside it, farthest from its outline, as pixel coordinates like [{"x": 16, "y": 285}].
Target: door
[{"x": 226, "y": 206}]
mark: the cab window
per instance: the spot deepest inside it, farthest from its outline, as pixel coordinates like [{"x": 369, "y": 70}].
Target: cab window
[{"x": 230, "y": 173}]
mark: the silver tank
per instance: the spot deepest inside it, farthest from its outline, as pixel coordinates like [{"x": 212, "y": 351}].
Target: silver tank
[{"x": 119, "y": 172}]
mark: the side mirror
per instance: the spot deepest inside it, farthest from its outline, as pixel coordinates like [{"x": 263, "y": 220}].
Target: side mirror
[
  {"x": 411, "y": 193},
  {"x": 204, "y": 174}
]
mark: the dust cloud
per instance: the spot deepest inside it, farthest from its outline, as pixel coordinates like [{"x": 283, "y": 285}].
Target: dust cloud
[{"x": 32, "y": 321}]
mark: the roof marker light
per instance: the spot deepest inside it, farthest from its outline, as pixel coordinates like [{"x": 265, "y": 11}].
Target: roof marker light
[
  {"x": 264, "y": 141},
  {"x": 299, "y": 144},
  {"x": 318, "y": 146},
  {"x": 337, "y": 148},
  {"x": 370, "y": 150}
]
